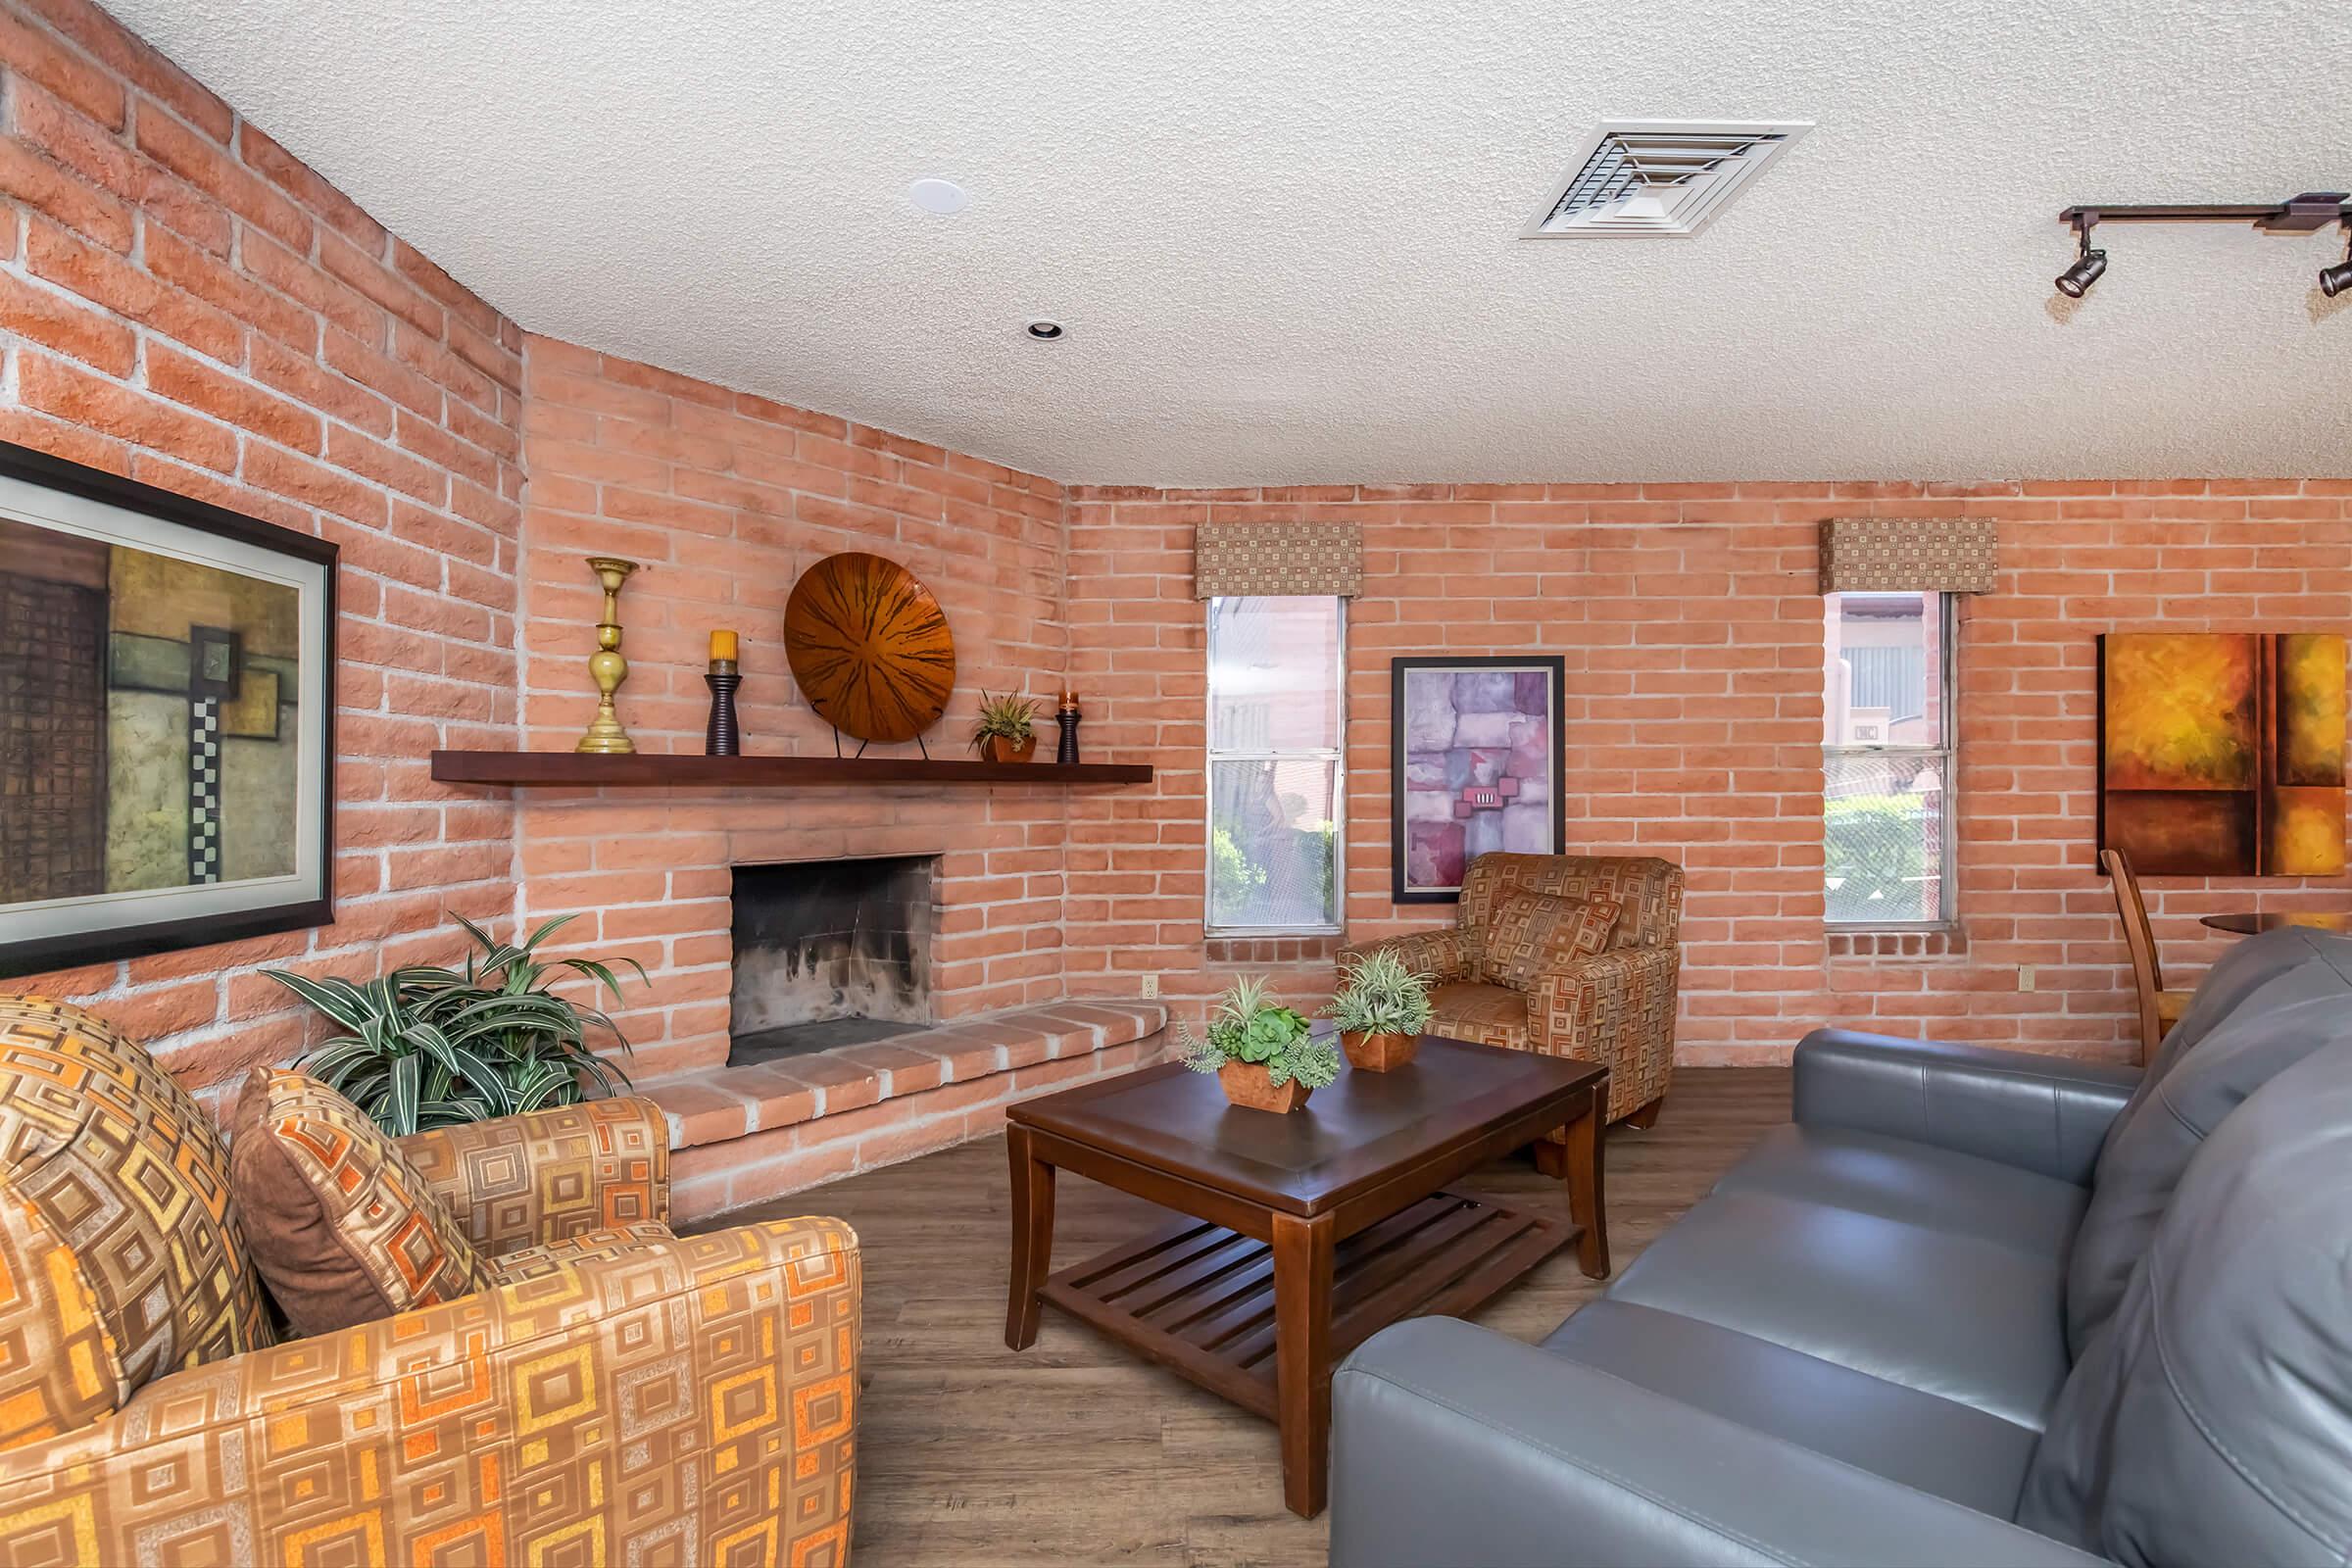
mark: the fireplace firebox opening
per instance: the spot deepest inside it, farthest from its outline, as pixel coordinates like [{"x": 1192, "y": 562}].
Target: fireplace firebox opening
[{"x": 830, "y": 953}]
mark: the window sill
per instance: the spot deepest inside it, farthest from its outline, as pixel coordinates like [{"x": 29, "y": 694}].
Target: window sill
[
  {"x": 1898, "y": 942},
  {"x": 1272, "y": 948}
]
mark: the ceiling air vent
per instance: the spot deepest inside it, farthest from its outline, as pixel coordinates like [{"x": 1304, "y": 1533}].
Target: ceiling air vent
[{"x": 1658, "y": 177}]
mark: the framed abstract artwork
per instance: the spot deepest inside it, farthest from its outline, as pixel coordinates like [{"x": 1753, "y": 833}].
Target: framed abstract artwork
[
  {"x": 2222, "y": 754},
  {"x": 167, "y": 715},
  {"x": 1474, "y": 765}
]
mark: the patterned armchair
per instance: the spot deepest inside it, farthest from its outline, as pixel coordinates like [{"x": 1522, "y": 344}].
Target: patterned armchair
[
  {"x": 1615, "y": 1006},
  {"x": 618, "y": 1394}
]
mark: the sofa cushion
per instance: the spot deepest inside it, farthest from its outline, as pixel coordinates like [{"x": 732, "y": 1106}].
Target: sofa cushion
[
  {"x": 345, "y": 1229},
  {"x": 583, "y": 1247},
  {"x": 1948, "y": 1314},
  {"x": 58, "y": 1367},
  {"x": 1649, "y": 890},
  {"x": 133, "y": 1178},
  {"x": 2295, "y": 1012},
  {"x": 1533, "y": 933},
  {"x": 1482, "y": 1014},
  {"x": 2233, "y": 982},
  {"x": 1950, "y": 1449},
  {"x": 2211, "y": 1420},
  {"x": 1917, "y": 1184}
]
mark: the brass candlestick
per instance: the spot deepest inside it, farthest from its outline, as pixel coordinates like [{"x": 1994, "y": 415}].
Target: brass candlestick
[{"x": 605, "y": 734}]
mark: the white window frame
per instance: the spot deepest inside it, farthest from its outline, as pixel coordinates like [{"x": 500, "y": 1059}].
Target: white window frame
[
  {"x": 1947, "y": 666},
  {"x": 1335, "y": 755}
]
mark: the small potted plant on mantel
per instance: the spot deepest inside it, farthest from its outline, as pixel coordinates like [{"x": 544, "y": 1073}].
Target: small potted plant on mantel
[
  {"x": 1380, "y": 1011},
  {"x": 1265, "y": 1056},
  {"x": 1008, "y": 729}
]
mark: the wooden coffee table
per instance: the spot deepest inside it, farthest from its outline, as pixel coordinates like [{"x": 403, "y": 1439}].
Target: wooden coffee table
[{"x": 1310, "y": 1231}]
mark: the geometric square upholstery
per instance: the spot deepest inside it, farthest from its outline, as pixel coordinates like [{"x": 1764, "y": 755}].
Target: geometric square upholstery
[
  {"x": 1533, "y": 932},
  {"x": 58, "y": 1370},
  {"x": 581, "y": 1247},
  {"x": 343, "y": 1227},
  {"x": 1648, "y": 891},
  {"x": 132, "y": 1177},
  {"x": 524, "y": 1181}
]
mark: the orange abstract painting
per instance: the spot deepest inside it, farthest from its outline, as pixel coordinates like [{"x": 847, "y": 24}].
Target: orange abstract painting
[{"x": 2223, "y": 752}]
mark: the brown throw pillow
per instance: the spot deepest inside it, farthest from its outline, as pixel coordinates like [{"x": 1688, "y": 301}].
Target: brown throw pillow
[
  {"x": 343, "y": 1228},
  {"x": 1531, "y": 933}
]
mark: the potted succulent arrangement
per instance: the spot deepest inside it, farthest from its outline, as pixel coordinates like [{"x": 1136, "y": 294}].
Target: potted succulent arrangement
[
  {"x": 1264, "y": 1055},
  {"x": 1381, "y": 1010},
  {"x": 1008, "y": 729},
  {"x": 430, "y": 1046}
]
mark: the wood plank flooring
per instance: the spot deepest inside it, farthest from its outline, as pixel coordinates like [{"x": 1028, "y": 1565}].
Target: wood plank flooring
[{"x": 1073, "y": 1450}]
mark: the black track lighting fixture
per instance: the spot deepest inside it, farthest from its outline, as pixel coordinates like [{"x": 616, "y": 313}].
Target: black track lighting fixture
[
  {"x": 2333, "y": 280},
  {"x": 2076, "y": 281},
  {"x": 2297, "y": 215}
]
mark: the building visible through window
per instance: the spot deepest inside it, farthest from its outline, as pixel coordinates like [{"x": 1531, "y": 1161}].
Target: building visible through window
[
  {"x": 1886, "y": 747},
  {"x": 1276, "y": 668}
]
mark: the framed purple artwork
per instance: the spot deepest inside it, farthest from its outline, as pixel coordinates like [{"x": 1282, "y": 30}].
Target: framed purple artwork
[{"x": 1474, "y": 765}]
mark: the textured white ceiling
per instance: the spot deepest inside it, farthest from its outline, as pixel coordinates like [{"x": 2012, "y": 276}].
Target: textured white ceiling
[{"x": 1283, "y": 236}]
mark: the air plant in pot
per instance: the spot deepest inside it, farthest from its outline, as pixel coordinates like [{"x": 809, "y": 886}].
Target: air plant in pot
[
  {"x": 1265, "y": 1056},
  {"x": 1381, "y": 1010},
  {"x": 1008, "y": 729}
]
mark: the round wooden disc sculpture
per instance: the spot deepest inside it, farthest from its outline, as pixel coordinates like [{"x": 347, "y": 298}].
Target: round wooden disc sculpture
[{"x": 870, "y": 648}]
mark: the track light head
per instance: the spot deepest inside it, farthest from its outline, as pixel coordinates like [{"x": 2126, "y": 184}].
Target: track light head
[
  {"x": 2334, "y": 280},
  {"x": 2076, "y": 281}
]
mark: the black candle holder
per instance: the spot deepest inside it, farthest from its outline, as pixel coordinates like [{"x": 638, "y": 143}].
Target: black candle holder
[
  {"x": 1066, "y": 751},
  {"x": 723, "y": 739}
]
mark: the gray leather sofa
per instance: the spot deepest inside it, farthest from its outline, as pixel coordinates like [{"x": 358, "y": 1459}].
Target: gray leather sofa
[{"x": 1970, "y": 1306}]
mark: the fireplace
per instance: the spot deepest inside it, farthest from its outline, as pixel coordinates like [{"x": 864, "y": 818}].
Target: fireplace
[{"x": 830, "y": 953}]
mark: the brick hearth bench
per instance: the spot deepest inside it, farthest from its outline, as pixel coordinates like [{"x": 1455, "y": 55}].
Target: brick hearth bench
[{"x": 741, "y": 1135}]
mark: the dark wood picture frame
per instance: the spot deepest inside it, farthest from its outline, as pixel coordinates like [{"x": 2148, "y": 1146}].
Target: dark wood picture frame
[
  {"x": 1554, "y": 669},
  {"x": 69, "y": 947}
]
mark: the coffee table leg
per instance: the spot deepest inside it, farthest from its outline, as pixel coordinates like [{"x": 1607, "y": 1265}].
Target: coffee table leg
[
  {"x": 1032, "y": 1236},
  {"x": 1302, "y": 1357},
  {"x": 1587, "y": 1200}
]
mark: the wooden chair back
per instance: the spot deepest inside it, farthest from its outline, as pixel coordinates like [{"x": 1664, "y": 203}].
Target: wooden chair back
[{"x": 2147, "y": 973}]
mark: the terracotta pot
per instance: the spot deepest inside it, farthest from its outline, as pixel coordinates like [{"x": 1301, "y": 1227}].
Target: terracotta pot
[
  {"x": 1248, "y": 1083},
  {"x": 1378, "y": 1053},
  {"x": 999, "y": 748}
]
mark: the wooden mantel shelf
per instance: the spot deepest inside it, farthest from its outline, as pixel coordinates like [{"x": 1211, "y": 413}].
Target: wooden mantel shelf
[{"x": 587, "y": 771}]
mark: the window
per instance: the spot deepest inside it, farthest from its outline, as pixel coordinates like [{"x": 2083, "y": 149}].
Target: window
[
  {"x": 1887, "y": 759},
  {"x": 1275, "y": 731}
]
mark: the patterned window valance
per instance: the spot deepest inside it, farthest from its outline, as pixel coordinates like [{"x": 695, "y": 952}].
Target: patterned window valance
[
  {"x": 1908, "y": 554},
  {"x": 1265, "y": 560}
]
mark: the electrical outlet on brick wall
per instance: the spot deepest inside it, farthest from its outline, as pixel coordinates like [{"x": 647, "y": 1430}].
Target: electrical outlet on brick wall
[
  {"x": 2025, "y": 977},
  {"x": 1151, "y": 987}
]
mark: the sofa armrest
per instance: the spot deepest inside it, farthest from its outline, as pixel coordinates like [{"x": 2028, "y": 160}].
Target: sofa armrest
[
  {"x": 529, "y": 1179},
  {"x": 1454, "y": 1444},
  {"x": 1437, "y": 956},
  {"x": 689, "y": 1398},
  {"x": 2040, "y": 1113}
]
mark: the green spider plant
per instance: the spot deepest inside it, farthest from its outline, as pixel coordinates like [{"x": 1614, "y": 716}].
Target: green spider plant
[{"x": 431, "y": 1047}]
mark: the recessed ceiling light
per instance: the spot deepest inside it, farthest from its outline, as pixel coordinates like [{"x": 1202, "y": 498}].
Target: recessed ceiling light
[
  {"x": 1044, "y": 332},
  {"x": 942, "y": 198}
]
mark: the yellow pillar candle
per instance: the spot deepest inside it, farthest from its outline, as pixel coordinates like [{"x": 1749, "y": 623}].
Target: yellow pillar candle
[{"x": 722, "y": 646}]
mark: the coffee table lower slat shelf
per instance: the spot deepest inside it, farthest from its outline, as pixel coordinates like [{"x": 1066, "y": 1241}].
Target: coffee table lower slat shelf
[{"x": 1192, "y": 1299}]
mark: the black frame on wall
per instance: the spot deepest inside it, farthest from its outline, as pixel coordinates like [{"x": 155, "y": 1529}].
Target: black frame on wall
[
  {"x": 69, "y": 946},
  {"x": 1554, "y": 669}
]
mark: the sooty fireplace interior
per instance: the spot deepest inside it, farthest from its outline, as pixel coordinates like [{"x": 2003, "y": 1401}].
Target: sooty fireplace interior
[{"x": 830, "y": 953}]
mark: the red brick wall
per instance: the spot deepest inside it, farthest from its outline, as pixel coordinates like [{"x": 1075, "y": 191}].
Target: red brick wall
[
  {"x": 186, "y": 304},
  {"x": 726, "y": 498},
  {"x": 1688, "y": 618}
]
